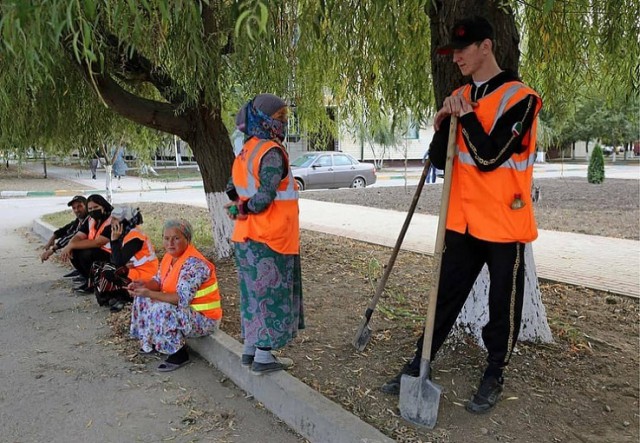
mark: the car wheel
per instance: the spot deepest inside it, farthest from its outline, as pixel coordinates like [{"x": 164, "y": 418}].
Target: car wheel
[
  {"x": 300, "y": 184},
  {"x": 358, "y": 182}
]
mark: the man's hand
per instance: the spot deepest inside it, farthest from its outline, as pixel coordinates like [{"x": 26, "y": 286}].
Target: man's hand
[
  {"x": 66, "y": 253},
  {"x": 453, "y": 105},
  {"x": 46, "y": 254}
]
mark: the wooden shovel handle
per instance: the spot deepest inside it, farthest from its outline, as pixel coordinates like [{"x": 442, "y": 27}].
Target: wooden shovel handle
[{"x": 442, "y": 224}]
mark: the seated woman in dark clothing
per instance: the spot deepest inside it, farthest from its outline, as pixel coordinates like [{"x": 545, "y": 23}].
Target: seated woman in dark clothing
[
  {"x": 132, "y": 258},
  {"x": 91, "y": 242}
]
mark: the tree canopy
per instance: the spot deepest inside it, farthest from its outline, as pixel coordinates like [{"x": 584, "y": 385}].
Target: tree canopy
[{"x": 184, "y": 51}]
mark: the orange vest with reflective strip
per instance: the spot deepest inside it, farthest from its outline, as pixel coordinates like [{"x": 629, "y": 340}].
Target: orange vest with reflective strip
[
  {"x": 278, "y": 225},
  {"x": 94, "y": 232},
  {"x": 144, "y": 263},
  {"x": 206, "y": 301},
  {"x": 482, "y": 201}
]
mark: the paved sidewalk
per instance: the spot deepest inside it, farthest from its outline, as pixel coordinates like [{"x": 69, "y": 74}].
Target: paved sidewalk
[{"x": 604, "y": 263}]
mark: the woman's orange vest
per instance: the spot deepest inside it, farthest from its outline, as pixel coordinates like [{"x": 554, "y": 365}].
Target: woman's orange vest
[
  {"x": 95, "y": 231},
  {"x": 483, "y": 202},
  {"x": 207, "y": 298},
  {"x": 144, "y": 263},
  {"x": 278, "y": 225}
]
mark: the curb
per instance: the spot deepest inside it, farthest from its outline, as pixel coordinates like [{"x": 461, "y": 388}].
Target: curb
[
  {"x": 306, "y": 411},
  {"x": 71, "y": 192}
]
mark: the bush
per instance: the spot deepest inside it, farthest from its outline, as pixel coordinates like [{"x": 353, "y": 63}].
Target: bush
[{"x": 595, "y": 173}]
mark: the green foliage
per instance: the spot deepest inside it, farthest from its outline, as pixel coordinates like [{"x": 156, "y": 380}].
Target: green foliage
[
  {"x": 369, "y": 57},
  {"x": 595, "y": 172}
]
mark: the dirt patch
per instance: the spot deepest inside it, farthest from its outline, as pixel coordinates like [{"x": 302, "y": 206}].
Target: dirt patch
[
  {"x": 610, "y": 209},
  {"x": 583, "y": 387},
  {"x": 15, "y": 179}
]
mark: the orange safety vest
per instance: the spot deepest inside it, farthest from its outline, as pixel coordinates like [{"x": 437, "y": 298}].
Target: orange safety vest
[
  {"x": 207, "y": 298},
  {"x": 144, "y": 263},
  {"x": 482, "y": 201},
  {"x": 94, "y": 232},
  {"x": 278, "y": 225}
]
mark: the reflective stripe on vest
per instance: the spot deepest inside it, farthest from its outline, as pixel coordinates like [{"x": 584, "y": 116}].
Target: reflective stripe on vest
[
  {"x": 93, "y": 232},
  {"x": 522, "y": 165},
  {"x": 208, "y": 295},
  {"x": 277, "y": 225},
  {"x": 149, "y": 254},
  {"x": 203, "y": 293},
  {"x": 288, "y": 194},
  {"x": 482, "y": 203}
]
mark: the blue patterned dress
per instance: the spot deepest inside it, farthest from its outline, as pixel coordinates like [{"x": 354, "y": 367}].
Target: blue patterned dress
[
  {"x": 164, "y": 326},
  {"x": 271, "y": 309}
]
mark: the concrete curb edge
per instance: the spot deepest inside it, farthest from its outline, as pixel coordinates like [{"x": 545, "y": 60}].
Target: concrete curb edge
[{"x": 306, "y": 411}]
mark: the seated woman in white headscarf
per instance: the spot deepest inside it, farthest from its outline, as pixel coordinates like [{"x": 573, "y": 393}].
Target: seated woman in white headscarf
[{"x": 181, "y": 301}]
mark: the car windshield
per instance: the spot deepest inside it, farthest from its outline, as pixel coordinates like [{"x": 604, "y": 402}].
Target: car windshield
[{"x": 304, "y": 160}]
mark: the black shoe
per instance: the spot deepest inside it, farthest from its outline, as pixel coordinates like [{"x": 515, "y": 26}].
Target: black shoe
[
  {"x": 280, "y": 364},
  {"x": 392, "y": 387},
  {"x": 80, "y": 280},
  {"x": 246, "y": 360},
  {"x": 85, "y": 289},
  {"x": 117, "y": 306},
  {"x": 74, "y": 273},
  {"x": 487, "y": 396}
]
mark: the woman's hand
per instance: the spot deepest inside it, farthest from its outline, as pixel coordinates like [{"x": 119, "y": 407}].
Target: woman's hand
[
  {"x": 140, "y": 292},
  {"x": 116, "y": 230},
  {"x": 235, "y": 210}
]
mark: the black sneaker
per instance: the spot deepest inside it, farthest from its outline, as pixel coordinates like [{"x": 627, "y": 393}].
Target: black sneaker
[
  {"x": 487, "y": 396},
  {"x": 246, "y": 360},
  {"x": 74, "y": 273},
  {"x": 392, "y": 387},
  {"x": 84, "y": 289},
  {"x": 281, "y": 363}
]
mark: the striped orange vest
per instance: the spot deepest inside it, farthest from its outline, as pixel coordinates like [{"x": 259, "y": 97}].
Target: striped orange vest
[
  {"x": 483, "y": 202},
  {"x": 144, "y": 263},
  {"x": 277, "y": 226},
  {"x": 207, "y": 298},
  {"x": 96, "y": 231}
]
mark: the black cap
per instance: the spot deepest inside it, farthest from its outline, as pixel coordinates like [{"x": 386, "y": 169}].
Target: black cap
[
  {"x": 78, "y": 198},
  {"x": 465, "y": 32}
]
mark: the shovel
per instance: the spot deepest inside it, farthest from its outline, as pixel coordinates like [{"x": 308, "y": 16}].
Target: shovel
[
  {"x": 363, "y": 335},
  {"x": 419, "y": 396}
]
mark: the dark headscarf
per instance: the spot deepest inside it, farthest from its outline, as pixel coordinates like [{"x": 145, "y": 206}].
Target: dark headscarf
[
  {"x": 100, "y": 200},
  {"x": 254, "y": 118}
]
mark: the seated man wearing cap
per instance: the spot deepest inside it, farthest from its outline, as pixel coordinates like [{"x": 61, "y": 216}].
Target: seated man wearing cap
[
  {"x": 91, "y": 242},
  {"x": 132, "y": 258},
  {"x": 63, "y": 235}
]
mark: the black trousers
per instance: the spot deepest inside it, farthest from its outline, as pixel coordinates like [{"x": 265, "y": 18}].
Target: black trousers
[
  {"x": 462, "y": 260},
  {"x": 82, "y": 259}
]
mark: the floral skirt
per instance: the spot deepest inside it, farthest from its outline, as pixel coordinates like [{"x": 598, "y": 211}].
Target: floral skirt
[
  {"x": 271, "y": 311},
  {"x": 165, "y": 327}
]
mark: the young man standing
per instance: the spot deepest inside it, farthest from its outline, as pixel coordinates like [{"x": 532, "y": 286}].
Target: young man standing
[{"x": 490, "y": 214}]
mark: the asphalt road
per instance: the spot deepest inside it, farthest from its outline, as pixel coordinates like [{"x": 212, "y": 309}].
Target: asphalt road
[{"x": 60, "y": 381}]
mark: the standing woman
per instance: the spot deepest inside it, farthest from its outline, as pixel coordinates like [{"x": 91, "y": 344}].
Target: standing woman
[
  {"x": 266, "y": 235},
  {"x": 182, "y": 301}
]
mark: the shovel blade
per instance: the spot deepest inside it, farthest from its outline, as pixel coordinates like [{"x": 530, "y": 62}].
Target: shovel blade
[
  {"x": 419, "y": 400},
  {"x": 362, "y": 336}
]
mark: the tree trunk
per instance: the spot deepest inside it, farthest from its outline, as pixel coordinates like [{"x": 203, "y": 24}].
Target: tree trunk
[
  {"x": 108, "y": 168},
  {"x": 446, "y": 78},
  {"x": 44, "y": 163},
  {"x": 475, "y": 313},
  {"x": 212, "y": 149}
]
